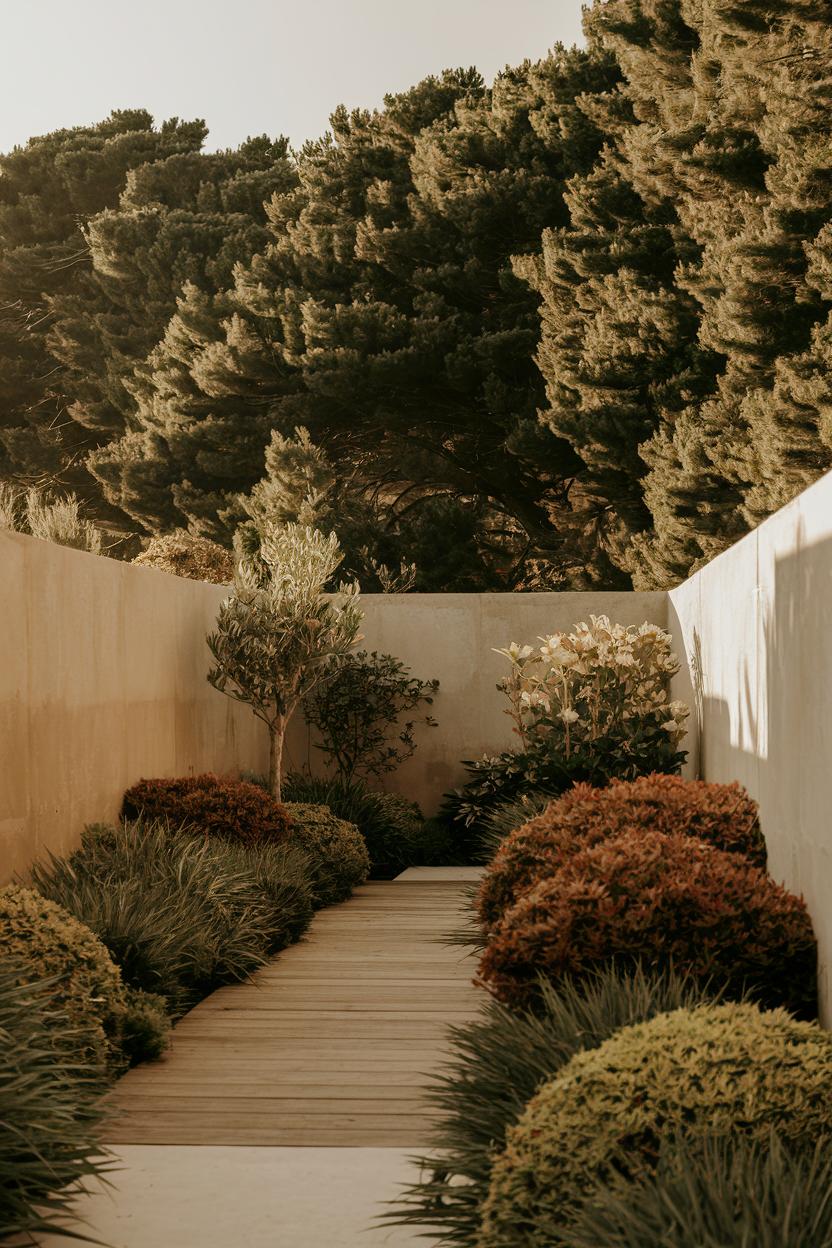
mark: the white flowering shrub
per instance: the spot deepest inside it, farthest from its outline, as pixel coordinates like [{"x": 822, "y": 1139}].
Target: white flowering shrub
[
  {"x": 587, "y": 705},
  {"x": 601, "y": 683}
]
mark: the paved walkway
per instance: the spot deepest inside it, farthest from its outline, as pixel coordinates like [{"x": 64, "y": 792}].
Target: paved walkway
[{"x": 328, "y": 1048}]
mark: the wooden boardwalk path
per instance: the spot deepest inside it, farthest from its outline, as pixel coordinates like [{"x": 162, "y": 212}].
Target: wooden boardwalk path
[{"x": 331, "y": 1044}]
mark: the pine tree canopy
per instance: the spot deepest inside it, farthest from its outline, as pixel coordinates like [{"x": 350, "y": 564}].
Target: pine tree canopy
[{"x": 570, "y": 329}]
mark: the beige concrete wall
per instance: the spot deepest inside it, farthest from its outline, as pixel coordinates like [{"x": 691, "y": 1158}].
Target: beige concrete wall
[
  {"x": 102, "y": 681},
  {"x": 756, "y": 628},
  {"x": 452, "y": 637}
]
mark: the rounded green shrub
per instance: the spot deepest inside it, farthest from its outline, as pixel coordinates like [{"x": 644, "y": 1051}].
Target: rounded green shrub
[
  {"x": 144, "y": 1031},
  {"x": 214, "y": 805},
  {"x": 736, "y": 1193},
  {"x": 390, "y": 824},
  {"x": 336, "y": 851},
  {"x": 496, "y": 1065},
  {"x": 48, "y": 942},
  {"x": 715, "y": 1069},
  {"x": 660, "y": 900},
  {"x": 50, "y": 1106}
]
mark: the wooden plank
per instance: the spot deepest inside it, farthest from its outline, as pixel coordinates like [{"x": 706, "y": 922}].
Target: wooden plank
[{"x": 334, "y": 1043}]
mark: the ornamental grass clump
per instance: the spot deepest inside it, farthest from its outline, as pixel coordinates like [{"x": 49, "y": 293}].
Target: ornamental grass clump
[
  {"x": 50, "y": 1106},
  {"x": 722, "y": 814},
  {"x": 660, "y": 900},
  {"x": 337, "y": 857},
  {"x": 735, "y": 1193},
  {"x": 180, "y": 915},
  {"x": 216, "y": 806},
  {"x": 720, "y": 1070},
  {"x": 497, "y": 1064}
]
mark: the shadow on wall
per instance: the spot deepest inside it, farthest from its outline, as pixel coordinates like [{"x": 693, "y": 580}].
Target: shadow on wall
[{"x": 754, "y": 632}]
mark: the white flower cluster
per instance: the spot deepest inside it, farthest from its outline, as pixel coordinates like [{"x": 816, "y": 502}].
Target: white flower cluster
[{"x": 600, "y": 680}]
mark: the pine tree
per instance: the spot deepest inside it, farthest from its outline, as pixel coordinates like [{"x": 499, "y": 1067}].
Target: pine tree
[{"x": 48, "y": 190}]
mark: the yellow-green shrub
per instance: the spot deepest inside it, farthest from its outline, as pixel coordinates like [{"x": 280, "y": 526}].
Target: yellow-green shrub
[
  {"x": 337, "y": 852},
  {"x": 86, "y": 985},
  {"x": 731, "y": 1070}
]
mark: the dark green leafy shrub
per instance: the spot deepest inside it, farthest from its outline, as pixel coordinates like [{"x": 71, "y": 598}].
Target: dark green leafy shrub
[
  {"x": 145, "y": 1028},
  {"x": 390, "y": 824},
  {"x": 359, "y": 711},
  {"x": 50, "y": 1106},
  {"x": 736, "y": 1193},
  {"x": 711, "y": 1070},
  {"x": 722, "y": 814},
  {"x": 180, "y": 915},
  {"x": 213, "y": 805},
  {"x": 497, "y": 1064},
  {"x": 48, "y": 942},
  {"x": 337, "y": 854},
  {"x": 660, "y": 900}
]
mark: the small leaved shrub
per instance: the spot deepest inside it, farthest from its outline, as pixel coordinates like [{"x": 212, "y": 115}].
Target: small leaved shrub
[
  {"x": 50, "y": 1106},
  {"x": 180, "y": 915},
  {"x": 185, "y": 555},
  {"x": 715, "y": 1069},
  {"x": 48, "y": 942},
  {"x": 722, "y": 814},
  {"x": 336, "y": 850},
  {"x": 390, "y": 824},
  {"x": 736, "y": 1193},
  {"x": 662, "y": 900},
  {"x": 145, "y": 1028},
  {"x": 497, "y": 1064},
  {"x": 213, "y": 805}
]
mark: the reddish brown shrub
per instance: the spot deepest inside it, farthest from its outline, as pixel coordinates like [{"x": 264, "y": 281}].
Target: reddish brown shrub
[
  {"x": 722, "y": 814},
  {"x": 215, "y": 805},
  {"x": 659, "y": 900}
]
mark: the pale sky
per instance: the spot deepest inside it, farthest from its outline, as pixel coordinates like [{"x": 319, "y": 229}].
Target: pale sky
[{"x": 249, "y": 66}]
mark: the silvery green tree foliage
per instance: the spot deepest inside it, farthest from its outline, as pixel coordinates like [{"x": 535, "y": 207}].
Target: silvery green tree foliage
[{"x": 279, "y": 629}]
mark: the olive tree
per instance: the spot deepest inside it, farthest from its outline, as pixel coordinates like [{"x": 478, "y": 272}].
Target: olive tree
[{"x": 279, "y": 629}]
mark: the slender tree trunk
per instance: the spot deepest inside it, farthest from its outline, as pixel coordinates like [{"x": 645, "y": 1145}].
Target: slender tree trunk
[{"x": 276, "y": 734}]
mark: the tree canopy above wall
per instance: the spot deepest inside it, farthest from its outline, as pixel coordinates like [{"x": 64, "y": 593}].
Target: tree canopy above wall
[{"x": 569, "y": 330}]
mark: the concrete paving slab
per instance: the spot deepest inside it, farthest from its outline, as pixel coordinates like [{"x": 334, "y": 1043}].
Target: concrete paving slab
[
  {"x": 169, "y": 1196},
  {"x": 459, "y": 874}
]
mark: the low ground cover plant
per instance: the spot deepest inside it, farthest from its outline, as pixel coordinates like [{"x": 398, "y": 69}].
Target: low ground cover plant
[
  {"x": 660, "y": 900},
  {"x": 722, "y": 814},
  {"x": 336, "y": 851},
  {"x": 180, "y": 915},
  {"x": 50, "y": 1105},
  {"x": 497, "y": 1064},
  {"x": 591, "y": 705},
  {"x": 219, "y": 806},
  {"x": 736, "y": 1193},
  {"x": 111, "y": 1024},
  {"x": 726, "y": 1069}
]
